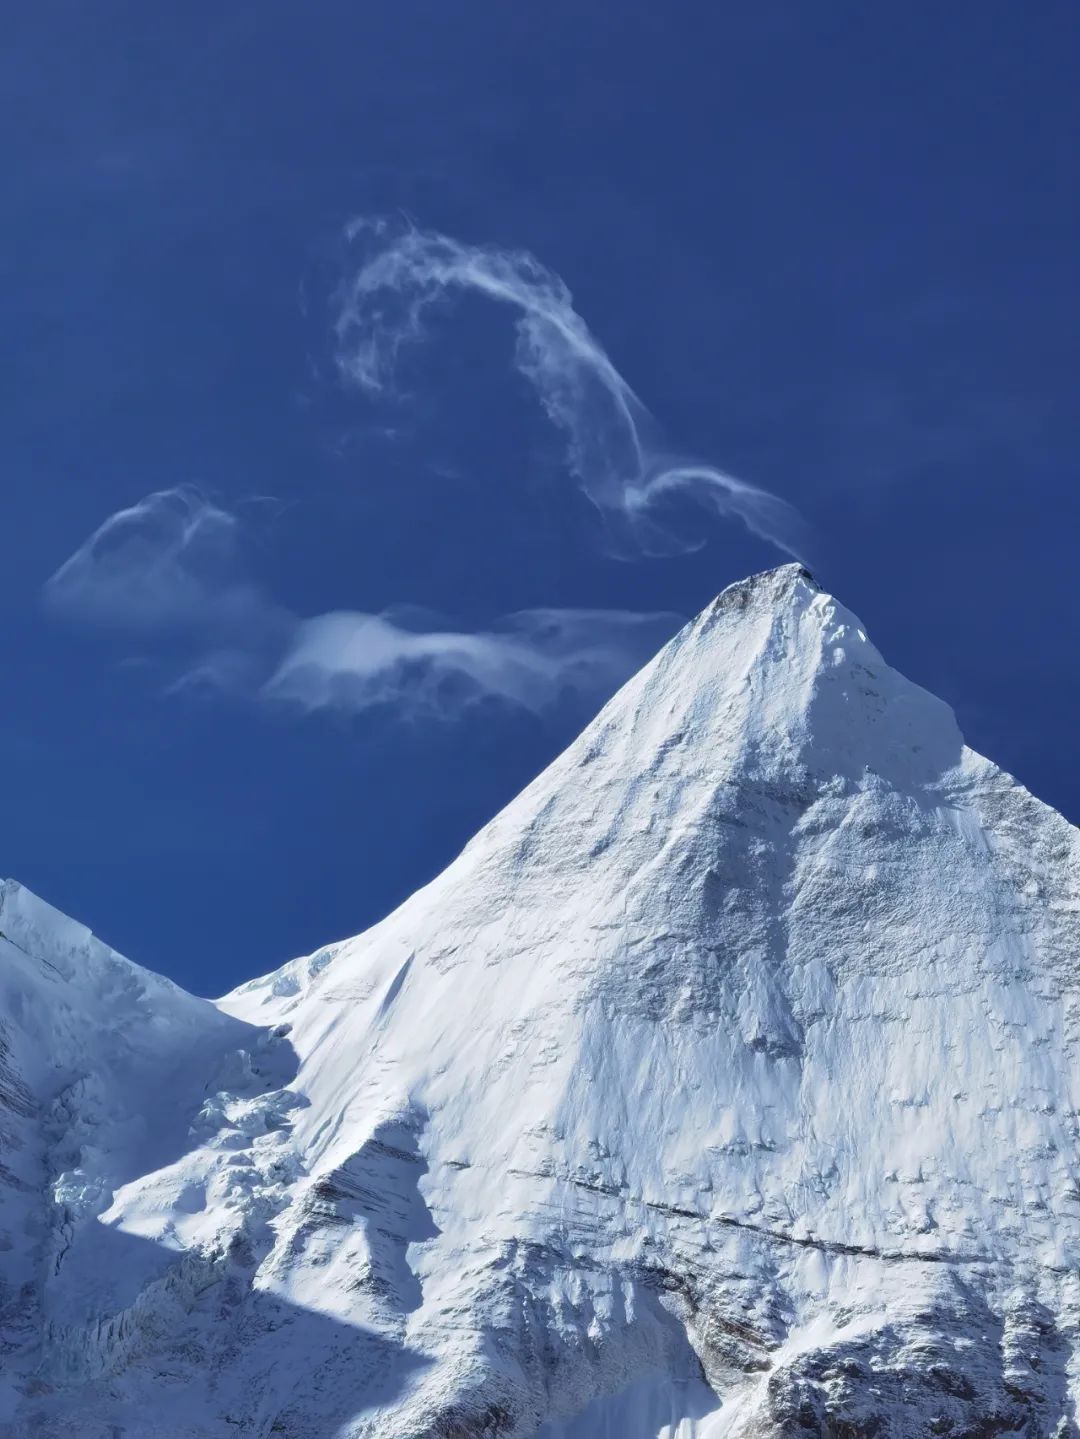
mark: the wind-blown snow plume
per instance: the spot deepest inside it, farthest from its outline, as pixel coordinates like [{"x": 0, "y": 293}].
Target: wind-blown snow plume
[
  {"x": 172, "y": 566},
  {"x": 612, "y": 448}
]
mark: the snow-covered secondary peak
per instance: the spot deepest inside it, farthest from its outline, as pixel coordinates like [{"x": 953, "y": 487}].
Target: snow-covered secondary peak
[{"x": 722, "y": 1086}]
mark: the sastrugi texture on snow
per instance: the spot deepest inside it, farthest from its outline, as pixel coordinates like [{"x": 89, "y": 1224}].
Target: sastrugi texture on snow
[{"x": 725, "y": 1085}]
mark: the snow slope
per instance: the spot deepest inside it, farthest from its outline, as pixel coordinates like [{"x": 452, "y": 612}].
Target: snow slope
[{"x": 725, "y": 1085}]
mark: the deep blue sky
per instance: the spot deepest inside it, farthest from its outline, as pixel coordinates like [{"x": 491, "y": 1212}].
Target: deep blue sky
[{"x": 832, "y": 246}]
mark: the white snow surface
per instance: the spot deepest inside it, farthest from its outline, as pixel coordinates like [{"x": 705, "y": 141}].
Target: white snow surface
[{"x": 724, "y": 1086}]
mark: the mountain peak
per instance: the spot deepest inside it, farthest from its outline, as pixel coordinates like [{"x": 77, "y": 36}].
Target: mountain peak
[
  {"x": 720, "y": 1087},
  {"x": 776, "y": 584},
  {"x": 775, "y": 677}
]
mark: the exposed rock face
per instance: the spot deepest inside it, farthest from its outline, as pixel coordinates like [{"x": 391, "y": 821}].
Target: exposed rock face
[{"x": 723, "y": 1086}]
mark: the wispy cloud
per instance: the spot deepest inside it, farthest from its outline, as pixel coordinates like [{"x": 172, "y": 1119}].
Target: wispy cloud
[
  {"x": 173, "y": 565},
  {"x": 613, "y": 449},
  {"x": 167, "y": 562},
  {"x": 529, "y": 660}
]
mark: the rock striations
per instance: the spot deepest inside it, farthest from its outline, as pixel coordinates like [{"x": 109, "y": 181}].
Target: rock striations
[{"x": 724, "y": 1086}]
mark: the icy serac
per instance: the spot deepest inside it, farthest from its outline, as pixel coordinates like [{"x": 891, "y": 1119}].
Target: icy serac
[{"x": 724, "y": 1086}]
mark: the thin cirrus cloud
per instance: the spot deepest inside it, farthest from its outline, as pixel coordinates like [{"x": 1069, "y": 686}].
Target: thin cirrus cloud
[
  {"x": 404, "y": 273},
  {"x": 171, "y": 566}
]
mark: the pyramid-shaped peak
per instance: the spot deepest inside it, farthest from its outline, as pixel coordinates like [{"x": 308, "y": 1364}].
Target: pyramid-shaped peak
[
  {"x": 776, "y": 585},
  {"x": 755, "y": 985},
  {"x": 776, "y": 675},
  {"x": 776, "y": 593}
]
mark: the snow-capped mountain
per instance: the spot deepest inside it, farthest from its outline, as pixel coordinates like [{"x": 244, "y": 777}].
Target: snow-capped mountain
[{"x": 724, "y": 1086}]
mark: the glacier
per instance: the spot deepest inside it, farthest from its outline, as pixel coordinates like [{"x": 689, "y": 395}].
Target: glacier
[{"x": 724, "y": 1086}]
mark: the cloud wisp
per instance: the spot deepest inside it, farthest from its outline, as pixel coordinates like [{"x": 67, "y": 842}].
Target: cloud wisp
[
  {"x": 386, "y": 305},
  {"x": 157, "y": 564},
  {"x": 529, "y": 660},
  {"x": 172, "y": 566},
  {"x": 172, "y": 562}
]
